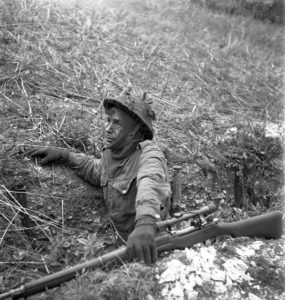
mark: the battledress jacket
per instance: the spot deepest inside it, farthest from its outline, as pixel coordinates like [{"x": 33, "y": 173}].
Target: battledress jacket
[{"x": 133, "y": 187}]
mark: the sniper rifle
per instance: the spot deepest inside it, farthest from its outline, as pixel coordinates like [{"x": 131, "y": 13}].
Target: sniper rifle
[{"x": 268, "y": 225}]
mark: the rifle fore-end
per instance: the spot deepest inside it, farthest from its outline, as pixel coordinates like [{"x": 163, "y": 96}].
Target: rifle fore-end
[
  {"x": 56, "y": 279},
  {"x": 267, "y": 226}
]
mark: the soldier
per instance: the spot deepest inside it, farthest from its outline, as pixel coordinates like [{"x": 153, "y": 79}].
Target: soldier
[{"x": 132, "y": 172}]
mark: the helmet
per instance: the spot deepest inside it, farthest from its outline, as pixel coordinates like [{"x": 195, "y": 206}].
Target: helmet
[{"x": 140, "y": 110}]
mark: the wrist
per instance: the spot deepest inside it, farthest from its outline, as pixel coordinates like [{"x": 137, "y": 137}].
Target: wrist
[
  {"x": 64, "y": 154},
  {"x": 145, "y": 221}
]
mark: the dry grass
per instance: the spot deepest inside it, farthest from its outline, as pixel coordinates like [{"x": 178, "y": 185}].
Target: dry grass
[
  {"x": 205, "y": 72},
  {"x": 267, "y": 11}
]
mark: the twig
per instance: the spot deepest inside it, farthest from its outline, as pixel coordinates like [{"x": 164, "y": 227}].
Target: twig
[
  {"x": 7, "y": 98},
  {"x": 164, "y": 101},
  {"x": 45, "y": 265},
  {"x": 10, "y": 223},
  {"x": 62, "y": 218},
  {"x": 24, "y": 210},
  {"x": 164, "y": 87}
]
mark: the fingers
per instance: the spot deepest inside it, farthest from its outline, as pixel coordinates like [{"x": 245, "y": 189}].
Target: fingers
[
  {"x": 40, "y": 153},
  {"x": 135, "y": 252},
  {"x": 37, "y": 152},
  {"x": 141, "y": 245},
  {"x": 153, "y": 253},
  {"x": 45, "y": 160},
  {"x": 150, "y": 254},
  {"x": 147, "y": 253},
  {"x": 130, "y": 253},
  {"x": 139, "y": 252},
  {"x": 48, "y": 155}
]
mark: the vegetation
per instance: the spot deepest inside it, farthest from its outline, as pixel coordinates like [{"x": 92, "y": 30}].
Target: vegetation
[
  {"x": 214, "y": 70},
  {"x": 270, "y": 11}
]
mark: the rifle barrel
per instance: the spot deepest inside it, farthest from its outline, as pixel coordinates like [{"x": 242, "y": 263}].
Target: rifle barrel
[{"x": 53, "y": 280}]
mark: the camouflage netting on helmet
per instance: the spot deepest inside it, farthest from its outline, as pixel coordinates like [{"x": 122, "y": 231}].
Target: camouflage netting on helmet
[{"x": 139, "y": 109}]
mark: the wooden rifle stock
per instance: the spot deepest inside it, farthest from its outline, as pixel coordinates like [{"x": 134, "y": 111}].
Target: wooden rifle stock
[{"x": 267, "y": 226}]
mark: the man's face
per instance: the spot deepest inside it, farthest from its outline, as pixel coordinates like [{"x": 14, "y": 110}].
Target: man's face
[{"x": 117, "y": 128}]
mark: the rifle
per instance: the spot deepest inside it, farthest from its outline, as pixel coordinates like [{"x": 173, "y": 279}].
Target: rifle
[{"x": 268, "y": 225}]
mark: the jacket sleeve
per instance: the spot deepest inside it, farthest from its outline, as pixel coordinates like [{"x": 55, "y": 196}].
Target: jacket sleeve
[
  {"x": 153, "y": 185},
  {"x": 87, "y": 167}
]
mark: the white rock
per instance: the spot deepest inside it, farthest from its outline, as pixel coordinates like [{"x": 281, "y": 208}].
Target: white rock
[
  {"x": 253, "y": 297},
  {"x": 253, "y": 264},
  {"x": 192, "y": 295},
  {"x": 173, "y": 271},
  {"x": 205, "y": 276},
  {"x": 257, "y": 287},
  {"x": 208, "y": 254},
  {"x": 149, "y": 297},
  {"x": 201, "y": 260},
  {"x": 190, "y": 254},
  {"x": 235, "y": 268},
  {"x": 218, "y": 275},
  {"x": 229, "y": 283},
  {"x": 247, "y": 277},
  {"x": 220, "y": 288},
  {"x": 198, "y": 280},
  {"x": 167, "y": 276},
  {"x": 273, "y": 130},
  {"x": 177, "y": 292},
  {"x": 165, "y": 292},
  {"x": 191, "y": 282},
  {"x": 245, "y": 251},
  {"x": 256, "y": 245},
  {"x": 183, "y": 277}
]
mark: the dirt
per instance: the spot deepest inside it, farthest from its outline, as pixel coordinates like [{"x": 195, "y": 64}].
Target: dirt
[{"x": 65, "y": 210}]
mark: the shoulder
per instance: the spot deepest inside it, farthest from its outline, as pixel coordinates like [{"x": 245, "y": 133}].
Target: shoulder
[{"x": 149, "y": 147}]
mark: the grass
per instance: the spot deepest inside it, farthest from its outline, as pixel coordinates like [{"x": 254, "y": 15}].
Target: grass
[
  {"x": 205, "y": 71},
  {"x": 268, "y": 11}
]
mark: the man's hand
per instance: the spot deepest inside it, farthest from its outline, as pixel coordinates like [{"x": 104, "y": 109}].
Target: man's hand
[
  {"x": 49, "y": 155},
  {"x": 141, "y": 242}
]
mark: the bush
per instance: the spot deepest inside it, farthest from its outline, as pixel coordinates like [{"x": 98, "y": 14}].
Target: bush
[
  {"x": 264, "y": 10},
  {"x": 256, "y": 160}
]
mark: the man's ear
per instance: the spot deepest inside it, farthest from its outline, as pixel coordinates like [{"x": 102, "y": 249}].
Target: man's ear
[{"x": 135, "y": 132}]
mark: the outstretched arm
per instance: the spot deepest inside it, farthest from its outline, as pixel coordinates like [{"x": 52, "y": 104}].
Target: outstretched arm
[
  {"x": 49, "y": 155},
  {"x": 85, "y": 166}
]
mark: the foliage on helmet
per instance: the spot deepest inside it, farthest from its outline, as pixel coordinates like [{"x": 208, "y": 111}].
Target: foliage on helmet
[{"x": 140, "y": 109}]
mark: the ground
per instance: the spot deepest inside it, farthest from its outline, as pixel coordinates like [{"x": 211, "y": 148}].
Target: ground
[{"x": 216, "y": 84}]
